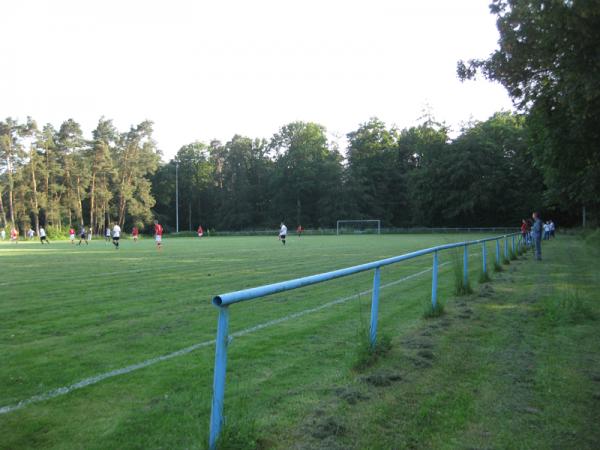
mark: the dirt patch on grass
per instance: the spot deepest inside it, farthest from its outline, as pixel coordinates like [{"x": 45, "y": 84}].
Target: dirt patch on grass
[
  {"x": 417, "y": 343},
  {"x": 352, "y": 396},
  {"x": 382, "y": 379},
  {"x": 426, "y": 354},
  {"x": 420, "y": 363},
  {"x": 325, "y": 427}
]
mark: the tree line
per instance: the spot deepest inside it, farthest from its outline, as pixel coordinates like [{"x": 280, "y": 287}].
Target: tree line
[
  {"x": 58, "y": 179},
  {"x": 417, "y": 176}
]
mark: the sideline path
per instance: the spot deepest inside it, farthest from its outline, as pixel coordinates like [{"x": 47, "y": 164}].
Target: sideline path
[{"x": 514, "y": 365}]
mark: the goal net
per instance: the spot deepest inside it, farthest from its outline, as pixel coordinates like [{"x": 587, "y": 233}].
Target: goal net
[{"x": 358, "y": 227}]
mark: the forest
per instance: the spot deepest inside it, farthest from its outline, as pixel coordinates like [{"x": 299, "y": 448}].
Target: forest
[{"x": 544, "y": 156}]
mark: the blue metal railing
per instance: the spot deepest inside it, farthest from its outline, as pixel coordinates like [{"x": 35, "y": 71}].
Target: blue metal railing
[{"x": 223, "y": 302}]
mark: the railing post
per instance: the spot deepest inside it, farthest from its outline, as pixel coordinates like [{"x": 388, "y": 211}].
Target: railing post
[
  {"x": 514, "y": 250},
  {"x": 216, "y": 413},
  {"x": 434, "y": 280},
  {"x": 374, "y": 308},
  {"x": 506, "y": 248},
  {"x": 484, "y": 257},
  {"x": 498, "y": 252},
  {"x": 466, "y": 266}
]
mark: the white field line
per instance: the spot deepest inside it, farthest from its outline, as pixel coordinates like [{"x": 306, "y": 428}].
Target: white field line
[{"x": 184, "y": 351}]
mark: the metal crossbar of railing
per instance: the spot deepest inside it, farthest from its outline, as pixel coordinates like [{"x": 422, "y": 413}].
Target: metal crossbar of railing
[{"x": 223, "y": 302}]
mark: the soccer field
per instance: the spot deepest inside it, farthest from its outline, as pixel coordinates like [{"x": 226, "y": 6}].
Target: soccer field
[{"x": 75, "y": 314}]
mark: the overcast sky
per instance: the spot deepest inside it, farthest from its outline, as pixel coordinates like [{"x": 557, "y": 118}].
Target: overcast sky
[{"x": 202, "y": 70}]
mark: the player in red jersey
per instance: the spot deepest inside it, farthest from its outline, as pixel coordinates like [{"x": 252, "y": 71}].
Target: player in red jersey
[
  {"x": 14, "y": 235},
  {"x": 72, "y": 235},
  {"x": 299, "y": 230},
  {"x": 158, "y": 231},
  {"x": 200, "y": 231},
  {"x": 134, "y": 233}
]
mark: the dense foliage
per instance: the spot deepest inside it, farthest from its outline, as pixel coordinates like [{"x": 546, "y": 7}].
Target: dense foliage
[
  {"x": 57, "y": 178},
  {"x": 549, "y": 61},
  {"x": 412, "y": 177}
]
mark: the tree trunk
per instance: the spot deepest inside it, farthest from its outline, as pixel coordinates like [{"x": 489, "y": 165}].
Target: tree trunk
[
  {"x": 10, "y": 190},
  {"x": 49, "y": 215},
  {"x": 2, "y": 213},
  {"x": 92, "y": 189},
  {"x": 78, "y": 204},
  {"x": 36, "y": 209}
]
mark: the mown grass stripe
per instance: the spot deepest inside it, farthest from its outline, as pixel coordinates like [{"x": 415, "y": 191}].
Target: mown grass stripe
[{"x": 184, "y": 351}]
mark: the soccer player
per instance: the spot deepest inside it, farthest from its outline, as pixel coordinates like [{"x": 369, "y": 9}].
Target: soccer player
[
  {"x": 116, "y": 235},
  {"x": 134, "y": 233},
  {"x": 299, "y": 230},
  {"x": 200, "y": 231},
  {"x": 43, "y": 236},
  {"x": 72, "y": 235},
  {"x": 30, "y": 234},
  {"x": 14, "y": 235},
  {"x": 282, "y": 233},
  {"x": 82, "y": 236},
  {"x": 3, "y": 234},
  {"x": 107, "y": 235},
  {"x": 158, "y": 231}
]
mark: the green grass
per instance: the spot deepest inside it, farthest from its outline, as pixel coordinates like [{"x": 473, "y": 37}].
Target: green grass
[{"x": 500, "y": 369}]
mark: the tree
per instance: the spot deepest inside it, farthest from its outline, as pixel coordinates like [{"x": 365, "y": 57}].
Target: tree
[
  {"x": 488, "y": 175},
  {"x": 548, "y": 61},
  {"x": 424, "y": 146},
  {"x": 105, "y": 138},
  {"x": 245, "y": 174},
  {"x": 377, "y": 169},
  {"x": 195, "y": 175},
  {"x": 11, "y": 154},
  {"x": 136, "y": 157},
  {"x": 307, "y": 175},
  {"x": 70, "y": 145},
  {"x": 50, "y": 172},
  {"x": 30, "y": 130}
]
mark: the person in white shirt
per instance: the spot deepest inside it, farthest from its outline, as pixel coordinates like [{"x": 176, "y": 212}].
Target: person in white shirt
[
  {"x": 89, "y": 236},
  {"x": 116, "y": 234},
  {"x": 43, "y": 236},
  {"x": 30, "y": 233},
  {"x": 107, "y": 235},
  {"x": 3, "y": 234},
  {"x": 282, "y": 233}
]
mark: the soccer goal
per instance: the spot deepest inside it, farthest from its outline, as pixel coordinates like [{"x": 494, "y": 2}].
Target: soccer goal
[{"x": 372, "y": 226}]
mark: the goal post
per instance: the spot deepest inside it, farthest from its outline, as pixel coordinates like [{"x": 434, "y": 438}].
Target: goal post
[{"x": 371, "y": 226}]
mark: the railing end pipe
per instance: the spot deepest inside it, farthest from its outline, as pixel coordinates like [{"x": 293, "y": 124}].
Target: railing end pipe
[{"x": 217, "y": 301}]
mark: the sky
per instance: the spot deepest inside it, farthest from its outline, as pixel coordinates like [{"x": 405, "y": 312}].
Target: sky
[{"x": 208, "y": 70}]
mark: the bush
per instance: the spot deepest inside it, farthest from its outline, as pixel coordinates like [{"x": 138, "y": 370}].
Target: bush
[
  {"x": 366, "y": 354},
  {"x": 239, "y": 435},
  {"x": 431, "y": 312},
  {"x": 484, "y": 277},
  {"x": 570, "y": 309},
  {"x": 54, "y": 233}
]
